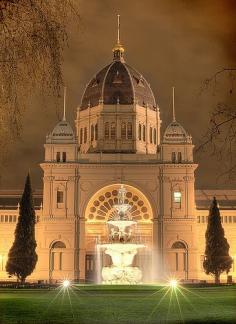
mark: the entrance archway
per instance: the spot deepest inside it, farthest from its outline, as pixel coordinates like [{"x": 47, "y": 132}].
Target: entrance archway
[{"x": 100, "y": 209}]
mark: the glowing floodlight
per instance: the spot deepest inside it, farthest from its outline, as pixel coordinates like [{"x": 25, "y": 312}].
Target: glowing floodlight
[
  {"x": 66, "y": 283},
  {"x": 173, "y": 283}
]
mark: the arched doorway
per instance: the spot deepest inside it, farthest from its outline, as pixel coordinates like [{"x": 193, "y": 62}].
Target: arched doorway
[
  {"x": 179, "y": 258},
  {"x": 57, "y": 260},
  {"x": 99, "y": 210}
]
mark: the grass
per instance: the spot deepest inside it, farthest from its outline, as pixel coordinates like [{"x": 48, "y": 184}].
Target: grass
[{"x": 119, "y": 304}]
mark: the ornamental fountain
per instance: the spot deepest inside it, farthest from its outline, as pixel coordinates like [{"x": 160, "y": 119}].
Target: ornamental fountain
[{"x": 122, "y": 247}]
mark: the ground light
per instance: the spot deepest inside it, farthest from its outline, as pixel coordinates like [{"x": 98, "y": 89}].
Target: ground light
[
  {"x": 66, "y": 283},
  {"x": 173, "y": 283}
]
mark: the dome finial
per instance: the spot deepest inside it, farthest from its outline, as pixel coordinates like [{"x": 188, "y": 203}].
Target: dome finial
[
  {"x": 118, "y": 29},
  {"x": 118, "y": 50},
  {"x": 173, "y": 104},
  {"x": 64, "y": 108}
]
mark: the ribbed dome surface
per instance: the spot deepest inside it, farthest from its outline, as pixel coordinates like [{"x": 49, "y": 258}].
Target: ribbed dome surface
[
  {"x": 175, "y": 133},
  {"x": 118, "y": 82},
  {"x": 62, "y": 132}
]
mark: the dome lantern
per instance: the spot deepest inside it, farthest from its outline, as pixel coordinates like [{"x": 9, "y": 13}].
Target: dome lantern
[{"x": 118, "y": 50}]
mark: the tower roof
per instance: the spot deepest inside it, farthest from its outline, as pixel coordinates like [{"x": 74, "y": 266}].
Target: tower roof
[
  {"x": 175, "y": 133},
  {"x": 118, "y": 82},
  {"x": 62, "y": 133}
]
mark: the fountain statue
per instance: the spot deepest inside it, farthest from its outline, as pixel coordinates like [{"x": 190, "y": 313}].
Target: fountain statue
[{"x": 121, "y": 247}]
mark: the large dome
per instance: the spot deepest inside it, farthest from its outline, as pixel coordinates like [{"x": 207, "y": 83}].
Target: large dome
[{"x": 118, "y": 82}]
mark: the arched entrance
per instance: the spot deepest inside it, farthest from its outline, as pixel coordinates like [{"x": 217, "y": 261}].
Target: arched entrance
[
  {"x": 179, "y": 259},
  {"x": 57, "y": 260},
  {"x": 99, "y": 210}
]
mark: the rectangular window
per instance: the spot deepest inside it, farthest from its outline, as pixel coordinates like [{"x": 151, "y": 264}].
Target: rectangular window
[
  {"x": 96, "y": 132},
  {"x": 177, "y": 197},
  {"x": 2, "y": 218},
  {"x": 144, "y": 133},
  {"x": 150, "y": 135},
  {"x": 173, "y": 157},
  {"x": 58, "y": 156},
  {"x": 6, "y": 218},
  {"x": 81, "y": 136},
  {"x": 92, "y": 133},
  {"x": 226, "y": 219},
  {"x": 230, "y": 219},
  {"x": 198, "y": 219},
  {"x": 113, "y": 130},
  {"x": 52, "y": 260},
  {"x": 203, "y": 219},
  {"x": 60, "y": 197},
  {"x": 64, "y": 157},
  {"x": 10, "y": 218},
  {"x": 129, "y": 130},
  {"x": 179, "y": 157},
  {"x": 123, "y": 130},
  {"x": 60, "y": 261},
  {"x": 176, "y": 261},
  {"x": 106, "y": 132},
  {"x": 14, "y": 218},
  {"x": 185, "y": 261},
  {"x": 234, "y": 219},
  {"x": 85, "y": 135}
]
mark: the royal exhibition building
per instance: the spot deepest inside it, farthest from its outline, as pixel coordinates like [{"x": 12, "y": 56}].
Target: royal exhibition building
[{"x": 118, "y": 203}]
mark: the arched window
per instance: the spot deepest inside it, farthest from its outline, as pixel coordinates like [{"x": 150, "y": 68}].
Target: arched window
[
  {"x": 96, "y": 132},
  {"x": 106, "y": 130},
  {"x": 123, "y": 130},
  {"x": 92, "y": 132},
  {"x": 129, "y": 130},
  {"x": 155, "y": 136},
  {"x": 56, "y": 259},
  {"x": 179, "y": 157},
  {"x": 178, "y": 245},
  {"x": 139, "y": 132},
  {"x": 81, "y": 135},
  {"x": 144, "y": 133},
  {"x": 58, "y": 245},
  {"x": 150, "y": 135},
  {"x": 113, "y": 130},
  {"x": 85, "y": 134}
]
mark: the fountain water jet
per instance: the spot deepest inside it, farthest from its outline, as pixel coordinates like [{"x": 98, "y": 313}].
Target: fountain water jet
[{"x": 122, "y": 248}]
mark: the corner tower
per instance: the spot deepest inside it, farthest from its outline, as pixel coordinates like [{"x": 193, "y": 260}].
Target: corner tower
[{"x": 118, "y": 112}]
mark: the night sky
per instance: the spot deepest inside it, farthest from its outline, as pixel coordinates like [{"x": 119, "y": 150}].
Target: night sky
[{"x": 171, "y": 42}]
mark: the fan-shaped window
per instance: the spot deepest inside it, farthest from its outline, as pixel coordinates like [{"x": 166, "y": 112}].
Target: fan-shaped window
[
  {"x": 113, "y": 130},
  {"x": 139, "y": 132},
  {"x": 92, "y": 132},
  {"x": 58, "y": 245},
  {"x": 150, "y": 134},
  {"x": 129, "y": 130},
  {"x": 85, "y": 134},
  {"x": 144, "y": 133},
  {"x": 106, "y": 130},
  {"x": 178, "y": 245},
  {"x": 123, "y": 130},
  {"x": 96, "y": 132},
  {"x": 155, "y": 136}
]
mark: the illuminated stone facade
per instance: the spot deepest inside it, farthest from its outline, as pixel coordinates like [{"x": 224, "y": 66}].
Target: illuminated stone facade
[{"x": 118, "y": 141}]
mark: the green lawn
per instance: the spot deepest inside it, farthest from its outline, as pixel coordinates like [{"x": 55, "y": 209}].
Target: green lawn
[{"x": 119, "y": 304}]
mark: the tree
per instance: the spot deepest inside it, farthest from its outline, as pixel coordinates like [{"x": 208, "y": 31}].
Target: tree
[
  {"x": 220, "y": 137},
  {"x": 33, "y": 34},
  {"x": 22, "y": 257},
  {"x": 217, "y": 259}
]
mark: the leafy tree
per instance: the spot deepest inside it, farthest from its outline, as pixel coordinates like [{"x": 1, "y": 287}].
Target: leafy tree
[
  {"x": 33, "y": 34},
  {"x": 217, "y": 259},
  {"x": 22, "y": 257}
]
